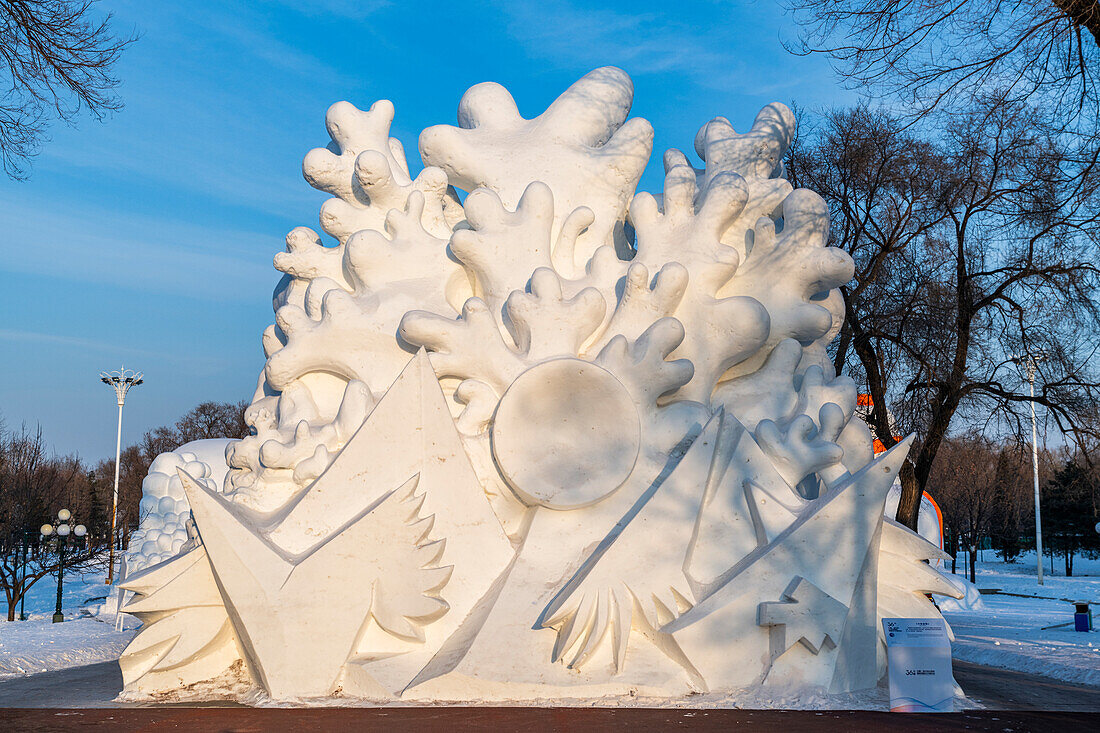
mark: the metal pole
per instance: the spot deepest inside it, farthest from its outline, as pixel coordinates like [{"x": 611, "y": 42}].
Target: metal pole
[
  {"x": 58, "y": 617},
  {"x": 1035, "y": 475},
  {"x": 121, "y": 382},
  {"x": 114, "y": 499}
]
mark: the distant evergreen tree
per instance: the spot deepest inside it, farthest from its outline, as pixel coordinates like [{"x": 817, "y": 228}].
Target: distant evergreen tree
[{"x": 1069, "y": 517}]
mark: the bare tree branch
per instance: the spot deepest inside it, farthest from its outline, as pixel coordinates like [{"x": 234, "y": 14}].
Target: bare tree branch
[
  {"x": 937, "y": 54},
  {"x": 56, "y": 59}
]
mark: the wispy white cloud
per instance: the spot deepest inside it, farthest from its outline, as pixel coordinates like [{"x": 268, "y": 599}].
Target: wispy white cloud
[
  {"x": 88, "y": 244},
  {"x": 82, "y": 343},
  {"x": 560, "y": 31},
  {"x": 246, "y": 31},
  {"x": 714, "y": 45},
  {"x": 649, "y": 43},
  {"x": 179, "y": 358}
]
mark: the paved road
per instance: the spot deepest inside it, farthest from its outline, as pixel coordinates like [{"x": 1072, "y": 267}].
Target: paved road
[
  {"x": 93, "y": 685},
  {"x": 1001, "y": 689},
  {"x": 96, "y": 685},
  {"x": 90, "y": 686},
  {"x": 526, "y": 720}
]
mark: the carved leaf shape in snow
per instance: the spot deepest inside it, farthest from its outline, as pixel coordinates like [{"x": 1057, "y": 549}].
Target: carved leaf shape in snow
[
  {"x": 502, "y": 248},
  {"x": 756, "y": 156},
  {"x": 720, "y": 332},
  {"x": 541, "y": 323},
  {"x": 352, "y": 333},
  {"x": 905, "y": 579},
  {"x": 407, "y": 590},
  {"x": 366, "y": 171},
  {"x": 770, "y": 392},
  {"x": 792, "y": 273},
  {"x": 645, "y": 369},
  {"x": 306, "y": 259},
  {"x": 804, "y": 448},
  {"x": 186, "y": 636},
  {"x": 579, "y": 147}
]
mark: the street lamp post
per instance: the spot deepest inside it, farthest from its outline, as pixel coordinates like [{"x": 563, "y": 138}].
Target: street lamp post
[
  {"x": 121, "y": 381},
  {"x": 62, "y": 530},
  {"x": 1030, "y": 364}
]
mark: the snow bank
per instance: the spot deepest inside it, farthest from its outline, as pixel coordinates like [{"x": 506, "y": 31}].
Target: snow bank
[
  {"x": 971, "y": 600},
  {"x": 1014, "y": 631},
  {"x": 39, "y": 645}
]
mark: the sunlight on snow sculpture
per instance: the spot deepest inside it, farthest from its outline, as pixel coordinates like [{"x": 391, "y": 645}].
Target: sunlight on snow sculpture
[
  {"x": 557, "y": 440},
  {"x": 166, "y": 528}
]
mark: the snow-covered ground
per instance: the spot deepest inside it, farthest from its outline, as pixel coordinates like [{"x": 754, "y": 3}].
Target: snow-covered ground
[
  {"x": 1010, "y": 631},
  {"x": 39, "y": 645}
]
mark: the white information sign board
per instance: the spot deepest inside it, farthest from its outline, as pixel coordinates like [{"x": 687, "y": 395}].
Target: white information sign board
[{"x": 918, "y": 652}]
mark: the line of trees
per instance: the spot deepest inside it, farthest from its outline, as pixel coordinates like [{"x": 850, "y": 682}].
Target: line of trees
[
  {"x": 35, "y": 484},
  {"x": 986, "y": 493}
]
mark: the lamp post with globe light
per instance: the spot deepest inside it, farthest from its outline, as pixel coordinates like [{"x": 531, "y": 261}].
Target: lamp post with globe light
[
  {"x": 121, "y": 381},
  {"x": 62, "y": 531}
]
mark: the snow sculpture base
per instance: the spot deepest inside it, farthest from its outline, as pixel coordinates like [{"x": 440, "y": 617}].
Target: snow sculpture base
[{"x": 558, "y": 442}]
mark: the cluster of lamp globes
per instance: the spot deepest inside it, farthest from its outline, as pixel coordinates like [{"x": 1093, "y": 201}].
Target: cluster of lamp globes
[{"x": 63, "y": 528}]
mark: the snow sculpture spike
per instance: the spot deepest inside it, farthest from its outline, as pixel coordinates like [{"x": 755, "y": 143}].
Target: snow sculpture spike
[
  {"x": 188, "y": 638},
  {"x": 295, "y": 636},
  {"x": 556, "y": 437}
]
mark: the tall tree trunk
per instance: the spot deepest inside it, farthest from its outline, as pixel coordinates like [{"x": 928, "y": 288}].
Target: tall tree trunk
[
  {"x": 1084, "y": 13},
  {"x": 909, "y": 503},
  {"x": 10, "y": 595},
  {"x": 973, "y": 563}
]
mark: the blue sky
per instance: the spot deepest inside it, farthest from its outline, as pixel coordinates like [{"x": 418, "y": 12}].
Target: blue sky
[{"x": 147, "y": 240}]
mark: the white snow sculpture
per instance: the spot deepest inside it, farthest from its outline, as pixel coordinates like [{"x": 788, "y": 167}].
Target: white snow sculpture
[
  {"x": 557, "y": 441},
  {"x": 164, "y": 528}
]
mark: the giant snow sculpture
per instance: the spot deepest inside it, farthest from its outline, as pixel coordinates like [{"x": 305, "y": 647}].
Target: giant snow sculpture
[{"x": 554, "y": 440}]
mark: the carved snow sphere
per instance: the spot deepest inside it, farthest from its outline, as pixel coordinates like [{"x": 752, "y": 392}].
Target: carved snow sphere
[{"x": 566, "y": 434}]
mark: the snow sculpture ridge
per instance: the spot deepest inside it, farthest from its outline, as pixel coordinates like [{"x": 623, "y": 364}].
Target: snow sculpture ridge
[{"x": 555, "y": 438}]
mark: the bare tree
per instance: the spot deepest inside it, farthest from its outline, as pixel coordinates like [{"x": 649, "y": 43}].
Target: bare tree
[
  {"x": 213, "y": 420},
  {"x": 971, "y": 245},
  {"x": 973, "y": 478},
  {"x": 935, "y": 53},
  {"x": 58, "y": 57},
  {"x": 33, "y": 487}
]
